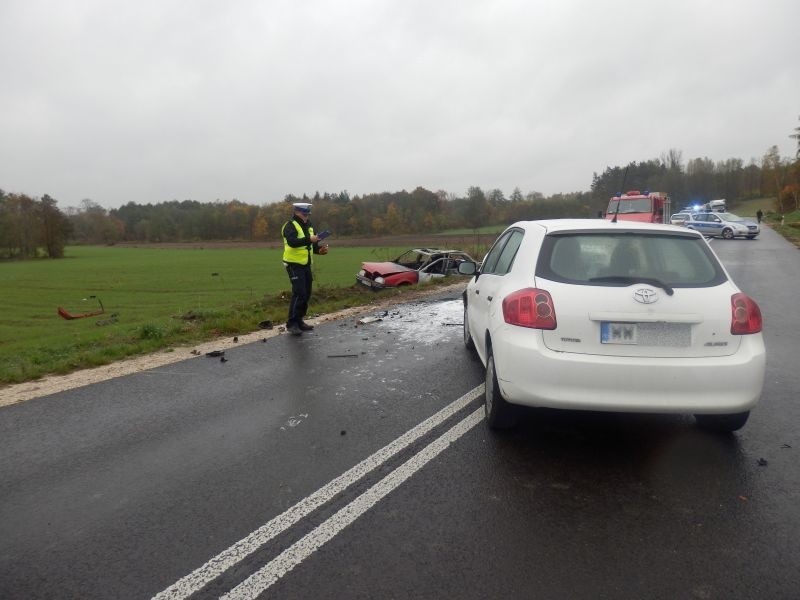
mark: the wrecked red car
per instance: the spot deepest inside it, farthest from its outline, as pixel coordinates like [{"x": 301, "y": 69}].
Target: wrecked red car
[{"x": 418, "y": 265}]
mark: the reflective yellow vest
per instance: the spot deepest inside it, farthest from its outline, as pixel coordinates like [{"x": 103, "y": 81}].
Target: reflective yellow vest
[{"x": 301, "y": 255}]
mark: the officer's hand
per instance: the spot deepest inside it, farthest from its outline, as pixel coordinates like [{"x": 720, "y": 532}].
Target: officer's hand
[
  {"x": 323, "y": 249},
  {"x": 314, "y": 238}
]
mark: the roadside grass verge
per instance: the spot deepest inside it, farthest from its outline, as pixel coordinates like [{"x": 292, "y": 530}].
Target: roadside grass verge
[
  {"x": 155, "y": 300},
  {"x": 790, "y": 229}
]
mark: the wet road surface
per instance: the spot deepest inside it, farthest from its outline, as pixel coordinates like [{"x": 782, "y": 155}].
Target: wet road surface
[{"x": 354, "y": 463}]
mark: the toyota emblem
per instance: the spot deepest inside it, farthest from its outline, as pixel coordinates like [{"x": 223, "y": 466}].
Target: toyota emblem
[{"x": 645, "y": 295}]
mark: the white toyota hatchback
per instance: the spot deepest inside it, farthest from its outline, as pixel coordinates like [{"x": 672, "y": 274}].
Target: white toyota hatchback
[{"x": 588, "y": 314}]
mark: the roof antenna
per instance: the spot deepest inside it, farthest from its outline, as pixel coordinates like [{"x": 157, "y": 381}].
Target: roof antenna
[{"x": 622, "y": 187}]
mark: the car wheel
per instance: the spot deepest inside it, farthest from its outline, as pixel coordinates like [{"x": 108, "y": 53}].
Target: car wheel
[
  {"x": 467, "y": 335},
  {"x": 727, "y": 233},
  {"x": 723, "y": 423},
  {"x": 499, "y": 413}
]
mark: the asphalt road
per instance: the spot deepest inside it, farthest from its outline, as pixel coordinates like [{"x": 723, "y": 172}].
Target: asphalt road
[{"x": 354, "y": 463}]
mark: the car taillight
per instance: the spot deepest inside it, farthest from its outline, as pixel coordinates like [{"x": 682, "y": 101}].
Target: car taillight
[
  {"x": 745, "y": 315},
  {"x": 530, "y": 307}
]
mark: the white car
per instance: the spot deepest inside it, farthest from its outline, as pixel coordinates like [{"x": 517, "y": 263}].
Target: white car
[
  {"x": 625, "y": 317},
  {"x": 680, "y": 218}
]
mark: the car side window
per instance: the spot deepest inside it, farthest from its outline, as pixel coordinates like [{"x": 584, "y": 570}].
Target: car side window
[
  {"x": 492, "y": 258},
  {"x": 509, "y": 252}
]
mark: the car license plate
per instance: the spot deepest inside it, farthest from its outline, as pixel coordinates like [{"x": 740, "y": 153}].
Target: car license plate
[{"x": 619, "y": 333}]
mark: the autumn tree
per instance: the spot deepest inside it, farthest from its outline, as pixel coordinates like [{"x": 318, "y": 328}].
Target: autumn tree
[
  {"x": 477, "y": 208},
  {"x": 261, "y": 225},
  {"x": 28, "y": 225},
  {"x": 774, "y": 173},
  {"x": 55, "y": 227},
  {"x": 789, "y": 197},
  {"x": 92, "y": 224},
  {"x": 796, "y": 136},
  {"x": 19, "y": 222}
]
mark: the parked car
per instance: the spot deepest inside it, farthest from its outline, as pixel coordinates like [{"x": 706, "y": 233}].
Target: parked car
[
  {"x": 418, "y": 265},
  {"x": 724, "y": 224},
  {"x": 623, "y": 317},
  {"x": 680, "y": 218}
]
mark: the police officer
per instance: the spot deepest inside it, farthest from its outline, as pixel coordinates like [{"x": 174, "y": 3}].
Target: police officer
[{"x": 299, "y": 244}]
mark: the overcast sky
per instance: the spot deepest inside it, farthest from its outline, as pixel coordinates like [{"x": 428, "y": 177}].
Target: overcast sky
[{"x": 157, "y": 100}]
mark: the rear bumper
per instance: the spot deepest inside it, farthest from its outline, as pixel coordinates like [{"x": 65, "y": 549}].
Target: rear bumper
[{"x": 532, "y": 375}]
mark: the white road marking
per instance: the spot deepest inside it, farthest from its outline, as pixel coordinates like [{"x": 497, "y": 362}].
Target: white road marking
[
  {"x": 295, "y": 421},
  {"x": 194, "y": 581},
  {"x": 307, "y": 545}
]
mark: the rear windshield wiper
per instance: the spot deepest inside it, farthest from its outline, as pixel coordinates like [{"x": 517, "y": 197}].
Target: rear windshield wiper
[{"x": 628, "y": 279}]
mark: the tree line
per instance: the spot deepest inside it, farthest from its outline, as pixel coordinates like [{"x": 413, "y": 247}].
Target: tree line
[{"x": 32, "y": 227}]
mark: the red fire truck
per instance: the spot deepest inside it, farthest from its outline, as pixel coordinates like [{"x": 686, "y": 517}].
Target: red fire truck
[{"x": 646, "y": 207}]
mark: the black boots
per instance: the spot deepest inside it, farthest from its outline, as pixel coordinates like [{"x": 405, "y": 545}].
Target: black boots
[{"x": 298, "y": 328}]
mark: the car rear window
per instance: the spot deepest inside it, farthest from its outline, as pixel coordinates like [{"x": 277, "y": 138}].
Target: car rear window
[{"x": 592, "y": 258}]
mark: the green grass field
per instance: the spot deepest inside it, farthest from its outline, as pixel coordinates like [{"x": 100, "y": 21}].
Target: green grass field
[
  {"x": 153, "y": 299},
  {"x": 748, "y": 208}
]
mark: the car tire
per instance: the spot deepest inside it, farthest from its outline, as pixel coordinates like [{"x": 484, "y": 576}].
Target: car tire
[
  {"x": 723, "y": 423},
  {"x": 499, "y": 413},
  {"x": 468, "y": 341},
  {"x": 727, "y": 233}
]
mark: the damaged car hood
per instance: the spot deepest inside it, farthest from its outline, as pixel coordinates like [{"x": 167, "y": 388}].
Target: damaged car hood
[{"x": 384, "y": 268}]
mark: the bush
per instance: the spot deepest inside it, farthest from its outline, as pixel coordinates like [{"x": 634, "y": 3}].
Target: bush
[{"x": 150, "y": 332}]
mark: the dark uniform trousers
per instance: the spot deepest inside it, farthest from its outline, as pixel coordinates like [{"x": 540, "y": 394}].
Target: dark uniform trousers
[{"x": 300, "y": 276}]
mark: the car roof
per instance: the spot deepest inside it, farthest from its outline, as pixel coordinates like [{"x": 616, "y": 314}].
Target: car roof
[
  {"x": 590, "y": 225},
  {"x": 715, "y": 212},
  {"x": 433, "y": 250}
]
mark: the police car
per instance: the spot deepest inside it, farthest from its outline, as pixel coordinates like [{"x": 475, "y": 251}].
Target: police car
[{"x": 722, "y": 224}]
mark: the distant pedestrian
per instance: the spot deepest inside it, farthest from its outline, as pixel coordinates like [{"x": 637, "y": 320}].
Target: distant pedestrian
[
  {"x": 759, "y": 214},
  {"x": 299, "y": 244}
]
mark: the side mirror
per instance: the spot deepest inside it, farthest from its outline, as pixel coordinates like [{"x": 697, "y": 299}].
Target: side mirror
[{"x": 467, "y": 268}]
